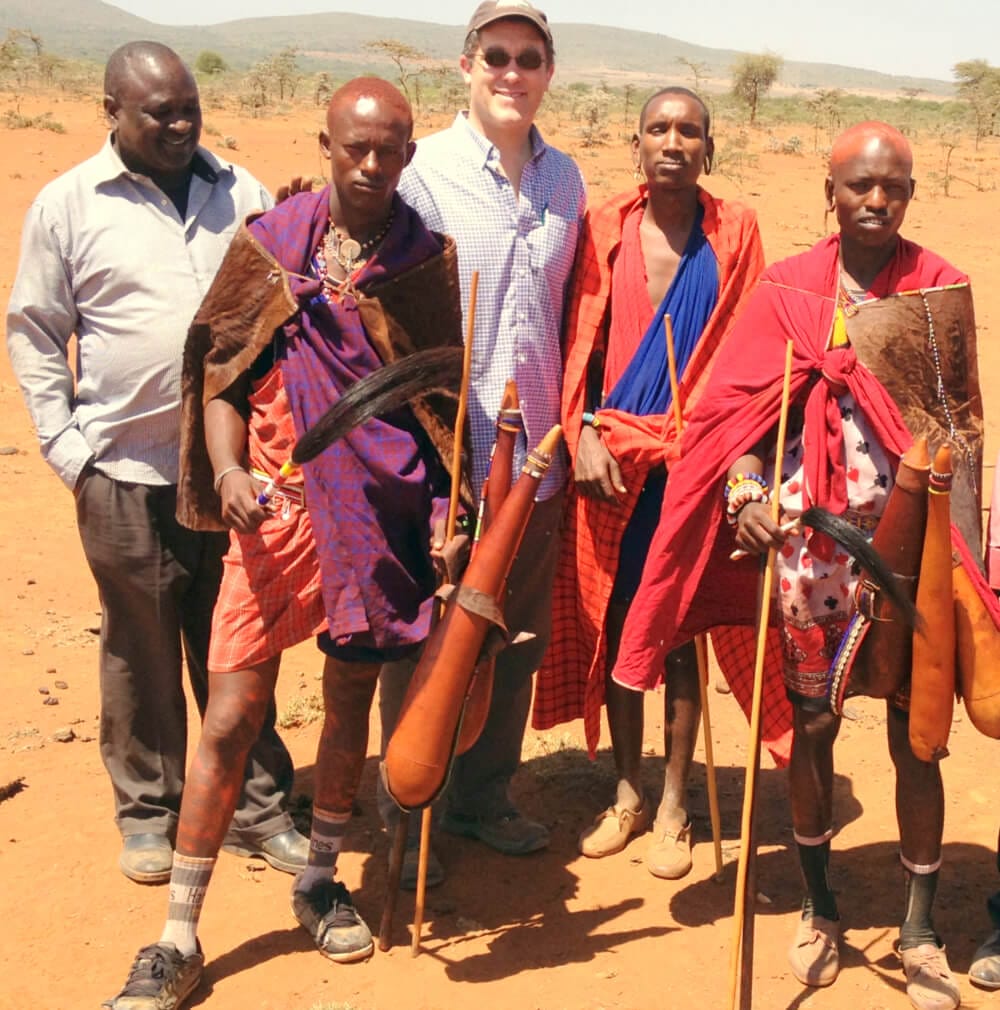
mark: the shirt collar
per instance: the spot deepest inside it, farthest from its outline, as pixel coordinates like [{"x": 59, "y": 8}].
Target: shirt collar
[
  {"x": 486, "y": 148},
  {"x": 204, "y": 165}
]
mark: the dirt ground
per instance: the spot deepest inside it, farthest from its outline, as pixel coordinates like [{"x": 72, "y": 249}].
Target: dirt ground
[{"x": 551, "y": 931}]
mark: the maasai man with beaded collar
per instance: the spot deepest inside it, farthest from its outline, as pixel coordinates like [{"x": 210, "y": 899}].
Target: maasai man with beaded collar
[
  {"x": 665, "y": 252},
  {"x": 311, "y": 297},
  {"x": 846, "y": 435}
]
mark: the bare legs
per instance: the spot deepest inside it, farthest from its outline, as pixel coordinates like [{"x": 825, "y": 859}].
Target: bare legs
[
  {"x": 681, "y": 715},
  {"x": 237, "y": 705}
]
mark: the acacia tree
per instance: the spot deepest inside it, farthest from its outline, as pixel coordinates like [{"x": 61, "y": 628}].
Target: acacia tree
[
  {"x": 22, "y": 57},
  {"x": 979, "y": 85},
  {"x": 628, "y": 92},
  {"x": 825, "y": 108},
  {"x": 283, "y": 68},
  {"x": 209, "y": 61},
  {"x": 403, "y": 56},
  {"x": 753, "y": 76},
  {"x": 699, "y": 71}
]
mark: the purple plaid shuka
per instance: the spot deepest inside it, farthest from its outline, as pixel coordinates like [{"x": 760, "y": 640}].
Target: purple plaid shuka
[{"x": 373, "y": 497}]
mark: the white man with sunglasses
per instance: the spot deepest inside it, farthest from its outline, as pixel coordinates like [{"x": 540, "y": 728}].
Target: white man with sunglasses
[{"x": 514, "y": 206}]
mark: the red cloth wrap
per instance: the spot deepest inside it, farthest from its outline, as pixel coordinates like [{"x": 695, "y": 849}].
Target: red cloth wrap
[
  {"x": 571, "y": 679},
  {"x": 689, "y": 584}
]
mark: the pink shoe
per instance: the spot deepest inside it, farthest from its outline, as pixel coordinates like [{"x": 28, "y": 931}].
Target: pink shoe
[
  {"x": 929, "y": 982},
  {"x": 814, "y": 954}
]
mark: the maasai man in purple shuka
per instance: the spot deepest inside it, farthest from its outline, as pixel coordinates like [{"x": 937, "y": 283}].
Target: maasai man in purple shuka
[
  {"x": 311, "y": 297},
  {"x": 372, "y": 496}
]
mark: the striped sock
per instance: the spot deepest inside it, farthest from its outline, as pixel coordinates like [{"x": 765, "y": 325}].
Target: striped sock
[
  {"x": 188, "y": 884},
  {"x": 325, "y": 842}
]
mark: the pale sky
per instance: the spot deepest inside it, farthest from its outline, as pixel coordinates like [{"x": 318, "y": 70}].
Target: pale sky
[{"x": 923, "y": 38}]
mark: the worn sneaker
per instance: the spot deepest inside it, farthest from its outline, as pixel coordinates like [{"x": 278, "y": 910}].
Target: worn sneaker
[
  {"x": 929, "y": 982},
  {"x": 161, "y": 978},
  {"x": 328, "y": 915},
  {"x": 509, "y": 832}
]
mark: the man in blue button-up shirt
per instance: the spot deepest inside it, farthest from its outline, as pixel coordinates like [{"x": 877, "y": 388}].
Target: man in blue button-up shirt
[{"x": 514, "y": 206}]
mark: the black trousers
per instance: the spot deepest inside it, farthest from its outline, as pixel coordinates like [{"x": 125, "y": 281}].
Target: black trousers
[{"x": 158, "y": 582}]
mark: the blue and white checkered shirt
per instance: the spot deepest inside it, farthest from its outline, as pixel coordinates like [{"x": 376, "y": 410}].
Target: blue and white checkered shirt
[{"x": 523, "y": 247}]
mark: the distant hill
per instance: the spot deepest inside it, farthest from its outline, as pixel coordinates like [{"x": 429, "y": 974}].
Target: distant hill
[{"x": 90, "y": 29}]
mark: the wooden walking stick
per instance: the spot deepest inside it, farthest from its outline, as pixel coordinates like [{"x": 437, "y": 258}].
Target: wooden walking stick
[
  {"x": 396, "y": 858},
  {"x": 700, "y": 641},
  {"x": 742, "y": 960},
  {"x": 456, "y": 471}
]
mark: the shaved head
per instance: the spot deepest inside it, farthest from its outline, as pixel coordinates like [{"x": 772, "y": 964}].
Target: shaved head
[
  {"x": 151, "y": 101},
  {"x": 865, "y": 138},
  {"x": 369, "y": 141},
  {"x": 676, "y": 89},
  {"x": 126, "y": 60},
  {"x": 364, "y": 94}
]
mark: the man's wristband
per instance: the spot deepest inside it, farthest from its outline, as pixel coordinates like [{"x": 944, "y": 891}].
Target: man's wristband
[
  {"x": 591, "y": 420},
  {"x": 222, "y": 473},
  {"x": 743, "y": 489}
]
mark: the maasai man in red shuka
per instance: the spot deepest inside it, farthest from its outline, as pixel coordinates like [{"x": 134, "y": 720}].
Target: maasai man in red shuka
[
  {"x": 312, "y": 296},
  {"x": 666, "y": 249},
  {"x": 846, "y": 438}
]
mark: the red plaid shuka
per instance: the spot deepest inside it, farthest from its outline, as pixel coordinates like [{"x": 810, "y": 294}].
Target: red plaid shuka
[
  {"x": 271, "y": 596},
  {"x": 571, "y": 680}
]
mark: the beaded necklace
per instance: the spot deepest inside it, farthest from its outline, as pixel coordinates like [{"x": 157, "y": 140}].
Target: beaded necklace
[{"x": 350, "y": 253}]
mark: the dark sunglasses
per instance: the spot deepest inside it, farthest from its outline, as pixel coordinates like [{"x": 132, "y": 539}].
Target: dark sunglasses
[{"x": 498, "y": 58}]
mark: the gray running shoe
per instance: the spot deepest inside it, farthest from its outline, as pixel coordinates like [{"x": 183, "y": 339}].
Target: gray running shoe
[
  {"x": 328, "y": 915},
  {"x": 161, "y": 978}
]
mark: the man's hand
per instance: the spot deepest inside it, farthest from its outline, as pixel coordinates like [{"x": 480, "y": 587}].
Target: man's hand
[
  {"x": 240, "y": 510},
  {"x": 297, "y": 184},
  {"x": 597, "y": 473},
  {"x": 756, "y": 531},
  {"x": 449, "y": 557}
]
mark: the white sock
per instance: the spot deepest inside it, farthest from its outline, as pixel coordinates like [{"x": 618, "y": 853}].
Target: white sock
[{"x": 188, "y": 884}]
